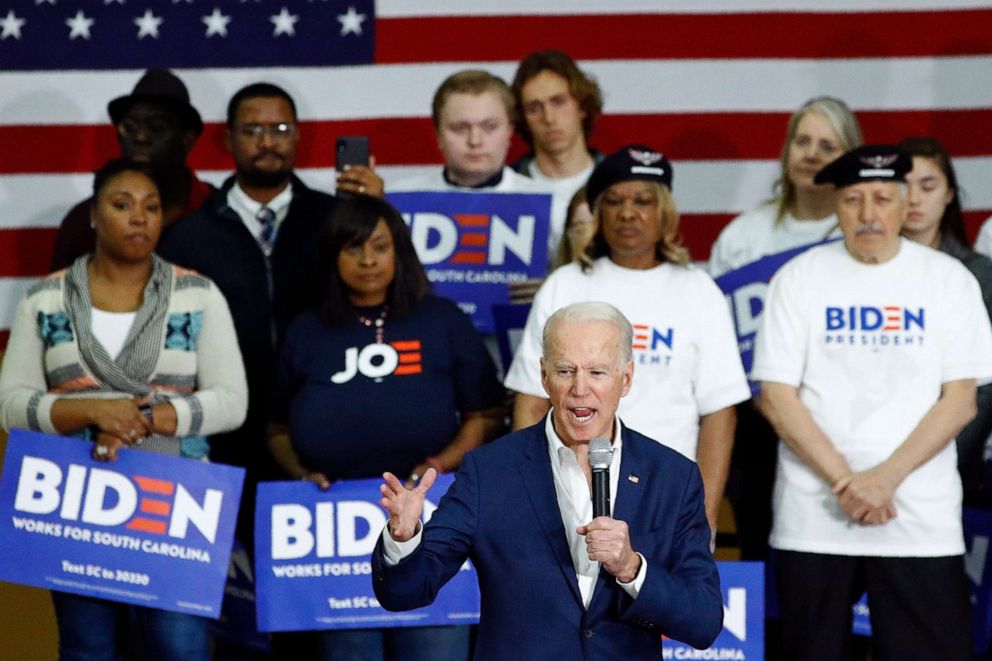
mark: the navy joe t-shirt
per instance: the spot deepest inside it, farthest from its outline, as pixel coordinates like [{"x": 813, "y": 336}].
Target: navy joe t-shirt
[{"x": 356, "y": 408}]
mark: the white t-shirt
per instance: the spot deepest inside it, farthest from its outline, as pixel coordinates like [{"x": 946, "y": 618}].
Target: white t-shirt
[
  {"x": 755, "y": 234},
  {"x": 512, "y": 182},
  {"x": 983, "y": 242},
  {"x": 111, "y": 329},
  {"x": 918, "y": 322},
  {"x": 685, "y": 353},
  {"x": 561, "y": 191}
]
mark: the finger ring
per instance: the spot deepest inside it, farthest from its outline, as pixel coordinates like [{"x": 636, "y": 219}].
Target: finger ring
[
  {"x": 361, "y": 189},
  {"x": 102, "y": 450}
]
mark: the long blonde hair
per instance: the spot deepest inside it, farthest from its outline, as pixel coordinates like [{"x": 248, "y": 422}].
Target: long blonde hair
[{"x": 844, "y": 124}]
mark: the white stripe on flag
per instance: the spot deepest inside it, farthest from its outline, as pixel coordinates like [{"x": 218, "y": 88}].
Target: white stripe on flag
[{"x": 630, "y": 87}]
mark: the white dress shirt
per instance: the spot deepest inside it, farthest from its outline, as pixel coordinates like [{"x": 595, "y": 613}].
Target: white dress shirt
[
  {"x": 575, "y": 506},
  {"x": 248, "y": 208}
]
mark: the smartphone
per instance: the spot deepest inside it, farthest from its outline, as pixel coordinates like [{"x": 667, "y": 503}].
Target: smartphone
[{"x": 351, "y": 150}]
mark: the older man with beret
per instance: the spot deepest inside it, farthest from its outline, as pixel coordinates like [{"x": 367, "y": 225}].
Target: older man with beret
[{"x": 868, "y": 357}]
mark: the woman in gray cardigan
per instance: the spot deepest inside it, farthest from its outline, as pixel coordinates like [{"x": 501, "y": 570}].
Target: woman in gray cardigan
[{"x": 123, "y": 349}]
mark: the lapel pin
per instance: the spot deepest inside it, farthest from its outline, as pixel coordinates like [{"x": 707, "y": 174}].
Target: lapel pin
[{"x": 634, "y": 478}]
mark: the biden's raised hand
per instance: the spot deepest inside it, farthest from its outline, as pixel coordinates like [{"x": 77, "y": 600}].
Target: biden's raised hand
[{"x": 404, "y": 505}]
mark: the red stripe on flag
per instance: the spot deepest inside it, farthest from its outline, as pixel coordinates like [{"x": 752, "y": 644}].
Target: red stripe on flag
[
  {"x": 973, "y": 222},
  {"x": 411, "y": 141},
  {"x": 680, "y": 36},
  {"x": 26, "y": 251},
  {"x": 700, "y": 230}
]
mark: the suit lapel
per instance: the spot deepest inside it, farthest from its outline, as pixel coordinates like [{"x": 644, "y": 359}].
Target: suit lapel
[
  {"x": 539, "y": 482},
  {"x": 629, "y": 487}
]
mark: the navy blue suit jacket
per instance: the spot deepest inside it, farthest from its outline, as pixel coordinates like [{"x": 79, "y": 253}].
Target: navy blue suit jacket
[{"x": 502, "y": 514}]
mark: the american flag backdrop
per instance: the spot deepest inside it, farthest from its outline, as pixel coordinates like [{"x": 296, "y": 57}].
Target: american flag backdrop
[{"x": 709, "y": 82}]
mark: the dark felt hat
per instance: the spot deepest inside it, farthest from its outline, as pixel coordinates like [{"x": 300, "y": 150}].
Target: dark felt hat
[
  {"x": 866, "y": 163},
  {"x": 633, "y": 162},
  {"x": 160, "y": 86}
]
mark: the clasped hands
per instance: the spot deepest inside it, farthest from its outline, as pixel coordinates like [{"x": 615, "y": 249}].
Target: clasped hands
[
  {"x": 866, "y": 496},
  {"x": 118, "y": 422},
  {"x": 607, "y": 540}
]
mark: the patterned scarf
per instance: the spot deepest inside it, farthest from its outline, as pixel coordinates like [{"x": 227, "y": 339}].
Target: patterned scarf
[{"x": 134, "y": 366}]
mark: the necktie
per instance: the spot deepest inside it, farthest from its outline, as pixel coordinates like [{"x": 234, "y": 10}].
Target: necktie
[{"x": 267, "y": 218}]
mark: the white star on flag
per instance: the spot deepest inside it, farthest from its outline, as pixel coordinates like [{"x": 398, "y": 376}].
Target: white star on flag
[
  {"x": 79, "y": 25},
  {"x": 148, "y": 24},
  {"x": 351, "y": 22},
  {"x": 110, "y": 2},
  {"x": 284, "y": 22},
  {"x": 216, "y": 23},
  {"x": 11, "y": 25},
  {"x": 41, "y": 2}
]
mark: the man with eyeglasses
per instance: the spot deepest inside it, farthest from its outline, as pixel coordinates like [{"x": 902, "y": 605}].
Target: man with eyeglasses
[
  {"x": 257, "y": 238},
  {"x": 155, "y": 124}
]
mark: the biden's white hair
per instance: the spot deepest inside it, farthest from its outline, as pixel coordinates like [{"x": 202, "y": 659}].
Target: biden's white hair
[{"x": 588, "y": 311}]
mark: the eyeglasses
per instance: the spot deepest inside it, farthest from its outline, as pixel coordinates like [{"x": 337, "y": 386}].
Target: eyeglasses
[{"x": 280, "y": 131}]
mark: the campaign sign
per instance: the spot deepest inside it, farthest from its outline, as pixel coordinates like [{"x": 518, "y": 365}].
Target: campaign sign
[
  {"x": 313, "y": 568},
  {"x": 146, "y": 529},
  {"x": 743, "y": 635},
  {"x": 745, "y": 289},
  {"x": 509, "y": 322},
  {"x": 475, "y": 244}
]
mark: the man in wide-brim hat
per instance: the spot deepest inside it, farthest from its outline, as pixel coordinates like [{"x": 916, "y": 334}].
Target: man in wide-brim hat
[{"x": 156, "y": 124}]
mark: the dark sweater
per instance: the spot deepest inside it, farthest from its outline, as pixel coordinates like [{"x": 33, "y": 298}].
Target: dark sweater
[{"x": 264, "y": 294}]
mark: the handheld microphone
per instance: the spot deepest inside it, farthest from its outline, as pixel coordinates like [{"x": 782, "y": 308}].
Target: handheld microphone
[{"x": 600, "y": 456}]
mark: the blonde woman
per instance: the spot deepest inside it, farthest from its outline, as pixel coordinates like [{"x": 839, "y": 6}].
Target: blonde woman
[{"x": 802, "y": 212}]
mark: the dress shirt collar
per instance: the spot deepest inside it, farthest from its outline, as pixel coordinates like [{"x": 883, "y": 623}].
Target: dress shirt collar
[
  {"x": 247, "y": 208},
  {"x": 556, "y": 446}
]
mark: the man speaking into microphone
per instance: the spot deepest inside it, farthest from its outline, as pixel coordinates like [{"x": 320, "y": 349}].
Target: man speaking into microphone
[{"x": 557, "y": 582}]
